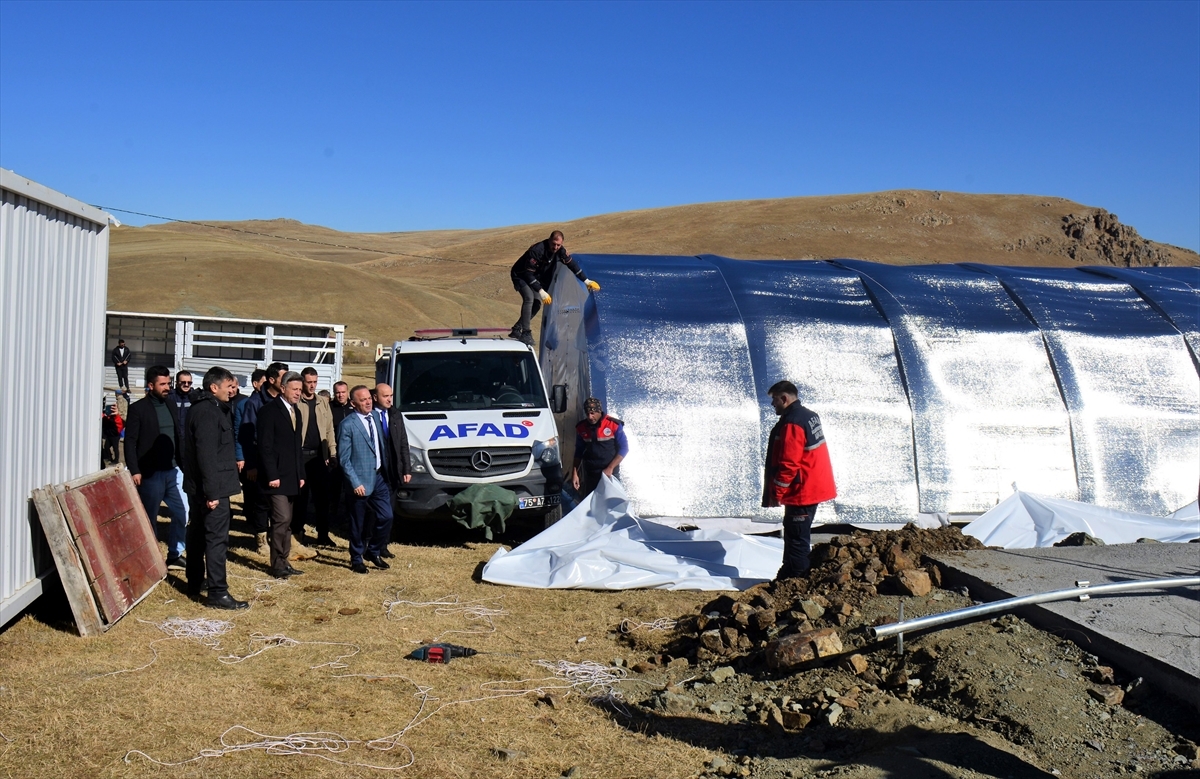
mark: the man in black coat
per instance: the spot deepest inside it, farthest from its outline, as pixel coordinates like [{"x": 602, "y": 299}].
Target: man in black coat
[
  {"x": 281, "y": 467},
  {"x": 120, "y": 360},
  {"x": 396, "y": 438},
  {"x": 341, "y": 408},
  {"x": 184, "y": 394},
  {"x": 533, "y": 272},
  {"x": 210, "y": 477},
  {"x": 153, "y": 440}
]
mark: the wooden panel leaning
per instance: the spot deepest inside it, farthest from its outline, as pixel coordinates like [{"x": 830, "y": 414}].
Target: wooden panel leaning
[{"x": 103, "y": 545}]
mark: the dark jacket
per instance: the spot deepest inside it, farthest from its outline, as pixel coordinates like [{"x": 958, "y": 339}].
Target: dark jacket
[
  {"x": 339, "y": 412},
  {"x": 209, "y": 463},
  {"x": 598, "y": 445},
  {"x": 536, "y": 266},
  {"x": 279, "y": 455},
  {"x": 400, "y": 465},
  {"x": 147, "y": 450},
  {"x": 247, "y": 429},
  {"x": 798, "y": 471},
  {"x": 121, "y": 354},
  {"x": 183, "y": 401}
]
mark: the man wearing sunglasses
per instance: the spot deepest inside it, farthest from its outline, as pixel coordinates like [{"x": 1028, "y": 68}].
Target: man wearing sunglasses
[{"x": 183, "y": 395}]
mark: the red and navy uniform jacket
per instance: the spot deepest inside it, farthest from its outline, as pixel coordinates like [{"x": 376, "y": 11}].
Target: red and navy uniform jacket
[
  {"x": 798, "y": 472},
  {"x": 536, "y": 266},
  {"x": 597, "y": 445}
]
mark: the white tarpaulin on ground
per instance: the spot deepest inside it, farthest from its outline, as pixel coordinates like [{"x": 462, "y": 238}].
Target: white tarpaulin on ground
[
  {"x": 1024, "y": 521},
  {"x": 602, "y": 545}
]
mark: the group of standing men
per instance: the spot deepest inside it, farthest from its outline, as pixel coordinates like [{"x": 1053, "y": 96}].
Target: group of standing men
[{"x": 283, "y": 447}]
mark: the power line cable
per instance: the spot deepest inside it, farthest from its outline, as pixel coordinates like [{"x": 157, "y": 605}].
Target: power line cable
[{"x": 296, "y": 240}]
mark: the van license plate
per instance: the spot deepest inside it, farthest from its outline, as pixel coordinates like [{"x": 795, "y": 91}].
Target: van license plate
[{"x": 531, "y": 503}]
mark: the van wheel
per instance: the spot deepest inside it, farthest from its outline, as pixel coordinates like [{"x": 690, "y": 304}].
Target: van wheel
[{"x": 553, "y": 515}]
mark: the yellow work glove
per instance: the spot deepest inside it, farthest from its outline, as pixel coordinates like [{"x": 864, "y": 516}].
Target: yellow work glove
[
  {"x": 591, "y": 285},
  {"x": 545, "y": 296}
]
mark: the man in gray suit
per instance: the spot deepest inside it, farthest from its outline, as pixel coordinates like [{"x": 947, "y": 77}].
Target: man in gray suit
[{"x": 365, "y": 461}]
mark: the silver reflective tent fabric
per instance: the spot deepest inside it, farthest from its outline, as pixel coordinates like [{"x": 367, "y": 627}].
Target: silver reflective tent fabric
[{"x": 939, "y": 386}]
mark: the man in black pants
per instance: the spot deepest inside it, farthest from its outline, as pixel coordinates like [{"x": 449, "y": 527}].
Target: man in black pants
[
  {"x": 281, "y": 467},
  {"x": 210, "y": 477},
  {"x": 257, "y": 504},
  {"x": 533, "y": 273},
  {"x": 319, "y": 447},
  {"x": 341, "y": 408},
  {"x": 120, "y": 361}
]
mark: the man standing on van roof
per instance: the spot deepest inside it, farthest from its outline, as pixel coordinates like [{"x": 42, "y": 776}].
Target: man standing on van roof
[
  {"x": 798, "y": 474},
  {"x": 533, "y": 273}
]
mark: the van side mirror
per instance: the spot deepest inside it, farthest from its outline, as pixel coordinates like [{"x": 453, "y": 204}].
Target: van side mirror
[{"x": 558, "y": 398}]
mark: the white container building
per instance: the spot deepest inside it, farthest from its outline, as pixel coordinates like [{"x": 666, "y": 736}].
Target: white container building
[{"x": 53, "y": 283}]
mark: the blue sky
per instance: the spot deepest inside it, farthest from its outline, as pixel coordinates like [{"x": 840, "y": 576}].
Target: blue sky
[{"x": 406, "y": 116}]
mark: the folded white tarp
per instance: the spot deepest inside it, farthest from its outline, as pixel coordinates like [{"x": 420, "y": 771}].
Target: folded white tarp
[
  {"x": 602, "y": 545},
  {"x": 1024, "y": 521}
]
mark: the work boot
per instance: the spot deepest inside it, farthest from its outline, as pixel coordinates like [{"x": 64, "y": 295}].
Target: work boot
[
  {"x": 527, "y": 337},
  {"x": 300, "y": 551},
  {"x": 515, "y": 332},
  {"x": 264, "y": 548}
]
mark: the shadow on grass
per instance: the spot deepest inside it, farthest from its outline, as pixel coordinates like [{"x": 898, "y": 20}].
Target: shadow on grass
[
  {"x": 52, "y": 609},
  {"x": 908, "y": 752}
]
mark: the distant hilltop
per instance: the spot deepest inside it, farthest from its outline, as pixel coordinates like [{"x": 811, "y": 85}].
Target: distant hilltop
[{"x": 384, "y": 285}]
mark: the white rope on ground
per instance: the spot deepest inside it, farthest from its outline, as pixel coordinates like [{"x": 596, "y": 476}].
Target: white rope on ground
[
  {"x": 260, "y": 642},
  {"x": 589, "y": 676},
  {"x": 206, "y": 632},
  {"x": 665, "y": 623},
  {"x": 449, "y": 605},
  {"x": 262, "y": 586},
  {"x": 303, "y": 744},
  {"x": 594, "y": 678}
]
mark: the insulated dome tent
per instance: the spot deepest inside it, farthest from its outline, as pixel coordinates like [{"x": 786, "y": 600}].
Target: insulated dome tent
[{"x": 939, "y": 386}]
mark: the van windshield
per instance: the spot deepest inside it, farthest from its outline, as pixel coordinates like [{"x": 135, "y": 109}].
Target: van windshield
[{"x": 468, "y": 380}]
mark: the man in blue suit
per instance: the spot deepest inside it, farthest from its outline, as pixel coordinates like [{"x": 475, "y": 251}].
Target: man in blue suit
[{"x": 364, "y": 458}]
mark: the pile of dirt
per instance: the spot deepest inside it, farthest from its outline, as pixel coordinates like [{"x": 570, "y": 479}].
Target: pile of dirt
[
  {"x": 998, "y": 698},
  {"x": 847, "y": 571},
  {"x": 787, "y": 679}
]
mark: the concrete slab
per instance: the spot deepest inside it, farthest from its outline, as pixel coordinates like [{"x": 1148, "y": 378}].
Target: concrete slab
[{"x": 1153, "y": 633}]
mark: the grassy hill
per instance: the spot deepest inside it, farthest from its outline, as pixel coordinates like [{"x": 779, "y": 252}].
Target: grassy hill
[{"x": 385, "y": 285}]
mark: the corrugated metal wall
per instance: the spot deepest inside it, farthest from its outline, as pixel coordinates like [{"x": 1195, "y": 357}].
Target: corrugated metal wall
[{"x": 53, "y": 282}]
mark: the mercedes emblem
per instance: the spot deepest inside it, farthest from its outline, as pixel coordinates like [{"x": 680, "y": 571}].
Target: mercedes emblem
[{"x": 481, "y": 460}]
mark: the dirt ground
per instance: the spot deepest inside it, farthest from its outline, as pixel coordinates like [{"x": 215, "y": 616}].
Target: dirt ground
[{"x": 313, "y": 680}]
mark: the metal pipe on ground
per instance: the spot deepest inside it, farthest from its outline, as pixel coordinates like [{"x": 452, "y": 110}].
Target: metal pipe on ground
[{"x": 1082, "y": 590}]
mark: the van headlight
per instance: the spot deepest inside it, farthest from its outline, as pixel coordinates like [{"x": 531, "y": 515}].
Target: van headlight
[
  {"x": 416, "y": 460},
  {"x": 546, "y": 452}
]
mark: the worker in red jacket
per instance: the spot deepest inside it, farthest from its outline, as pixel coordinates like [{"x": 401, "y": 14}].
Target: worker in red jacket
[{"x": 798, "y": 474}]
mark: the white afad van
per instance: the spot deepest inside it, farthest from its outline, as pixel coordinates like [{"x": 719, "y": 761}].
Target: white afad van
[{"x": 476, "y": 411}]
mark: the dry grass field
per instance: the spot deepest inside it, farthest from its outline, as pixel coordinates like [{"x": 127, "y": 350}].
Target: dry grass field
[
  {"x": 68, "y": 710},
  {"x": 313, "y": 681},
  {"x": 384, "y": 285}
]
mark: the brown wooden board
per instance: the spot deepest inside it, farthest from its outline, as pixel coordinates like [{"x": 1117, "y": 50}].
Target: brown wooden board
[
  {"x": 66, "y": 559},
  {"x": 112, "y": 545}
]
